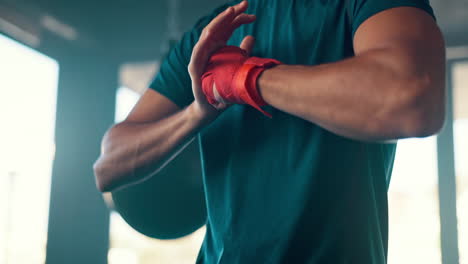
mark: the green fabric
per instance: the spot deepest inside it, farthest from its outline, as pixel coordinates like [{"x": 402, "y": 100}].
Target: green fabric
[{"x": 284, "y": 190}]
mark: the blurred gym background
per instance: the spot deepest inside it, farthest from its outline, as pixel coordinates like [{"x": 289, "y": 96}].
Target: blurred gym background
[{"x": 70, "y": 69}]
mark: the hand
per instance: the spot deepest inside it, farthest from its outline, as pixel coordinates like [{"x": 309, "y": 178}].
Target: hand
[{"x": 215, "y": 36}]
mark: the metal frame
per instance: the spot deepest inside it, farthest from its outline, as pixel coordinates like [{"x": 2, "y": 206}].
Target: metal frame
[
  {"x": 447, "y": 176},
  {"x": 78, "y": 230}
]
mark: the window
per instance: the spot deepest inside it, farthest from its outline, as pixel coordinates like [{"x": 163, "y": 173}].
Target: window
[
  {"x": 28, "y": 87},
  {"x": 414, "y": 225},
  {"x": 460, "y": 130}
]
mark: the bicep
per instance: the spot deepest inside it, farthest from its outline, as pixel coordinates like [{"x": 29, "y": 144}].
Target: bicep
[
  {"x": 407, "y": 30},
  {"x": 410, "y": 43},
  {"x": 407, "y": 43},
  {"x": 152, "y": 106}
]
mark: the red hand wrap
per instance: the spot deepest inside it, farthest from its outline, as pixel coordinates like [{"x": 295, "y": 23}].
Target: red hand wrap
[{"x": 235, "y": 76}]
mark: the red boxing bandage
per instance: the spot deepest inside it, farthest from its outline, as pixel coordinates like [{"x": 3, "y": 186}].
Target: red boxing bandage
[{"x": 235, "y": 76}]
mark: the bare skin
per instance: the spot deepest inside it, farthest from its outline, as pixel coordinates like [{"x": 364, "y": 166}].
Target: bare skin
[
  {"x": 393, "y": 88},
  {"x": 157, "y": 129}
]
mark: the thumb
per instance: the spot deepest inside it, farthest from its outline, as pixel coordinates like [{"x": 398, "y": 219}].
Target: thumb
[{"x": 247, "y": 44}]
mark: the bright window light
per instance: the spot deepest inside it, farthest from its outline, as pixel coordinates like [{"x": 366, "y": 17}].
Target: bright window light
[
  {"x": 460, "y": 130},
  {"x": 414, "y": 223},
  {"x": 125, "y": 100},
  {"x": 28, "y": 93}
]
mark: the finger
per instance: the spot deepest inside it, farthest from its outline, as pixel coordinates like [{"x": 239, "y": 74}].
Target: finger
[
  {"x": 205, "y": 46},
  {"x": 223, "y": 20},
  {"x": 225, "y": 33},
  {"x": 242, "y": 19},
  {"x": 247, "y": 44},
  {"x": 240, "y": 8}
]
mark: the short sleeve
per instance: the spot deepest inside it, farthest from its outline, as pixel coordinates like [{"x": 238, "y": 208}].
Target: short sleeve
[
  {"x": 173, "y": 80},
  {"x": 361, "y": 10}
]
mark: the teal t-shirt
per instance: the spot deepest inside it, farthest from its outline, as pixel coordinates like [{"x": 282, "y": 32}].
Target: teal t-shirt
[{"x": 284, "y": 190}]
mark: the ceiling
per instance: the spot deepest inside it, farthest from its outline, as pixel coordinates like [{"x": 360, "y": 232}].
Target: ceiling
[
  {"x": 452, "y": 17},
  {"x": 136, "y": 29},
  {"x": 128, "y": 29}
]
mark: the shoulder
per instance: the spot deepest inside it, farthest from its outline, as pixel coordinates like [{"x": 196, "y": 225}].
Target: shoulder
[{"x": 362, "y": 10}]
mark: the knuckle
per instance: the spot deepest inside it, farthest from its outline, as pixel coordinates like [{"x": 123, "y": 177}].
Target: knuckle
[
  {"x": 207, "y": 32},
  {"x": 191, "y": 70},
  {"x": 191, "y": 67}
]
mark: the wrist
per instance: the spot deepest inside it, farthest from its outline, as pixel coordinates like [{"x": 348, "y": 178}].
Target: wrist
[
  {"x": 265, "y": 79},
  {"x": 245, "y": 81},
  {"x": 235, "y": 76},
  {"x": 200, "y": 115}
]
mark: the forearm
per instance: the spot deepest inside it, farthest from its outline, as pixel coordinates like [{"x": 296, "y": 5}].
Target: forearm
[
  {"x": 132, "y": 152},
  {"x": 369, "y": 97}
]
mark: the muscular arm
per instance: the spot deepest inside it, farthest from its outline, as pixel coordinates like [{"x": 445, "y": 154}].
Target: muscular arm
[
  {"x": 393, "y": 87},
  {"x": 149, "y": 138},
  {"x": 157, "y": 129}
]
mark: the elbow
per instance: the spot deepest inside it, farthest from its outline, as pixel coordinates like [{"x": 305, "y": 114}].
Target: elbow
[
  {"x": 424, "y": 125},
  {"x": 425, "y": 111},
  {"x": 102, "y": 184},
  {"x": 103, "y": 170}
]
